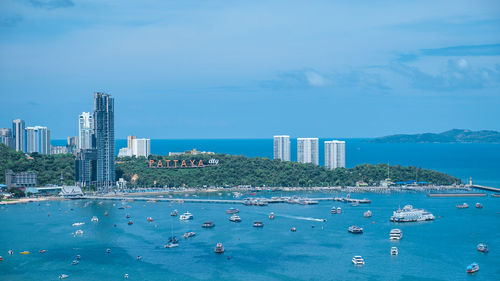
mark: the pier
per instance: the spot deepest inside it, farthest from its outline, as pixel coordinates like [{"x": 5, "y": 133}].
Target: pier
[
  {"x": 456, "y": 194},
  {"x": 485, "y": 187}
]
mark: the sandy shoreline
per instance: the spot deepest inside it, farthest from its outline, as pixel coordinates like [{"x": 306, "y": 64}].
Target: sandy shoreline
[{"x": 28, "y": 200}]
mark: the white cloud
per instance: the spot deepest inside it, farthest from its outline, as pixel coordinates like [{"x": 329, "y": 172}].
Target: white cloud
[{"x": 315, "y": 79}]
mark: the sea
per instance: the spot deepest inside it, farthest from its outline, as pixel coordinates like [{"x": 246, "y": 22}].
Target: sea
[{"x": 318, "y": 250}]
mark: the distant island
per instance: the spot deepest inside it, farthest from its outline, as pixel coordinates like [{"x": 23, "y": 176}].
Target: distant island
[{"x": 455, "y": 135}]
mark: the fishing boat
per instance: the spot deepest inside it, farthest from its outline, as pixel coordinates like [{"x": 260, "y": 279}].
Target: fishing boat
[
  {"x": 130, "y": 223},
  {"x": 94, "y": 219},
  {"x": 149, "y": 219},
  {"x": 208, "y": 224},
  {"x": 394, "y": 251},
  {"x": 43, "y": 251},
  {"x": 358, "y": 260},
  {"x": 174, "y": 213},
  {"x": 189, "y": 234},
  {"x": 395, "y": 234},
  {"x": 462, "y": 206},
  {"x": 232, "y": 211},
  {"x": 235, "y": 218},
  {"x": 271, "y": 216},
  {"x": 219, "y": 249},
  {"x": 408, "y": 214},
  {"x": 75, "y": 262},
  {"x": 339, "y": 210},
  {"x": 367, "y": 214},
  {"x": 355, "y": 229},
  {"x": 63, "y": 276},
  {"x": 473, "y": 267},
  {"x": 258, "y": 224},
  {"x": 186, "y": 216},
  {"x": 481, "y": 247},
  {"x": 333, "y": 210},
  {"x": 479, "y": 205}
]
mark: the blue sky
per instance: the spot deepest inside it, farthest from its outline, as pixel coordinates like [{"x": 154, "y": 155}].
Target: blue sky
[{"x": 251, "y": 69}]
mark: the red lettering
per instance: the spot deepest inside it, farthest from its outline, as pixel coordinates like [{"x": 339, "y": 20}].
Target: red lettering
[
  {"x": 168, "y": 163},
  {"x": 200, "y": 164},
  {"x": 175, "y": 163},
  {"x": 183, "y": 163},
  {"x": 151, "y": 162},
  {"x": 160, "y": 164},
  {"x": 192, "y": 163}
]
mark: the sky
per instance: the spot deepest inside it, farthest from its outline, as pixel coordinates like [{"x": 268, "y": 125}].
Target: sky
[{"x": 252, "y": 69}]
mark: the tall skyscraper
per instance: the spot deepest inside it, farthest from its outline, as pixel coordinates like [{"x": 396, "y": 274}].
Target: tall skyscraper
[
  {"x": 85, "y": 130},
  {"x": 104, "y": 130},
  {"x": 19, "y": 135},
  {"x": 282, "y": 147},
  {"x": 334, "y": 154},
  {"x": 6, "y": 137},
  {"x": 130, "y": 142},
  {"x": 141, "y": 147},
  {"x": 37, "y": 140},
  {"x": 307, "y": 150}
]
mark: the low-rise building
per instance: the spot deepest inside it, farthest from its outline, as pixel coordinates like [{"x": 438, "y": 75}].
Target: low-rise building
[
  {"x": 21, "y": 179},
  {"x": 58, "y": 150},
  {"x": 191, "y": 152}
]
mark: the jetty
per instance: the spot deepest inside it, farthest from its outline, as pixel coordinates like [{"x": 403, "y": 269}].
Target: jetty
[
  {"x": 489, "y": 188},
  {"x": 463, "y": 194}
]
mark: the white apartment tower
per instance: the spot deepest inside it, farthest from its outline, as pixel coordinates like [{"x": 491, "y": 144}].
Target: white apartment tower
[
  {"x": 141, "y": 147},
  {"x": 334, "y": 154},
  {"x": 85, "y": 130},
  {"x": 307, "y": 150},
  {"x": 282, "y": 147},
  {"x": 37, "y": 139}
]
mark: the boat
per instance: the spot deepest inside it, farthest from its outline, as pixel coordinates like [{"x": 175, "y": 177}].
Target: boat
[
  {"x": 174, "y": 213},
  {"x": 25, "y": 253},
  {"x": 396, "y": 234},
  {"x": 1, "y": 258},
  {"x": 479, "y": 205},
  {"x": 11, "y": 252},
  {"x": 367, "y": 214},
  {"x": 293, "y": 229},
  {"x": 232, "y": 211},
  {"x": 235, "y": 218},
  {"x": 121, "y": 208},
  {"x": 186, "y": 216},
  {"x": 78, "y": 257},
  {"x": 258, "y": 224},
  {"x": 355, "y": 229},
  {"x": 108, "y": 250},
  {"x": 271, "y": 216},
  {"x": 127, "y": 216},
  {"x": 78, "y": 223},
  {"x": 43, "y": 251},
  {"x": 355, "y": 204},
  {"x": 106, "y": 213},
  {"x": 481, "y": 247},
  {"x": 408, "y": 214},
  {"x": 339, "y": 210},
  {"x": 394, "y": 251},
  {"x": 189, "y": 234},
  {"x": 333, "y": 210},
  {"x": 130, "y": 223},
  {"x": 463, "y": 206},
  {"x": 171, "y": 245},
  {"x": 219, "y": 249},
  {"x": 94, "y": 219},
  {"x": 125, "y": 276},
  {"x": 358, "y": 260},
  {"x": 208, "y": 224},
  {"x": 79, "y": 232},
  {"x": 63, "y": 276},
  {"x": 473, "y": 267},
  {"x": 75, "y": 262},
  {"x": 149, "y": 219}
]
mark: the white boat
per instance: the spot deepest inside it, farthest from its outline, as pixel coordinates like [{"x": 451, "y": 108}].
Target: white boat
[
  {"x": 235, "y": 218},
  {"x": 394, "y": 251},
  {"x": 339, "y": 210},
  {"x": 125, "y": 276},
  {"x": 358, "y": 260},
  {"x": 186, "y": 216},
  {"x": 94, "y": 219},
  {"x": 463, "y": 206},
  {"x": 171, "y": 245},
  {"x": 219, "y": 249},
  {"x": 63, "y": 276},
  {"x": 189, "y": 234},
  {"x": 396, "y": 234},
  {"x": 75, "y": 262},
  {"x": 333, "y": 210},
  {"x": 78, "y": 223},
  {"x": 367, "y": 214},
  {"x": 271, "y": 216},
  {"x": 79, "y": 232},
  {"x": 408, "y": 214}
]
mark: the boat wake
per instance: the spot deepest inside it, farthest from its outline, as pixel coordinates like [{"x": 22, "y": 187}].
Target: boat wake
[{"x": 301, "y": 218}]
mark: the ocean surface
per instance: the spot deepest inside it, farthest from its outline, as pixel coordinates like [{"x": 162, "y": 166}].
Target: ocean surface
[{"x": 436, "y": 250}]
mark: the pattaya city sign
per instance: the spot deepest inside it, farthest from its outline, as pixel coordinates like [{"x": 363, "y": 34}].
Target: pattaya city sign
[{"x": 175, "y": 164}]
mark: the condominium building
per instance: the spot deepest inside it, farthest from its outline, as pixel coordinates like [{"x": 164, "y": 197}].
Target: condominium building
[
  {"x": 130, "y": 142},
  {"x": 85, "y": 130},
  {"x": 307, "y": 150},
  {"x": 18, "y": 134},
  {"x": 141, "y": 147},
  {"x": 58, "y": 150},
  {"x": 282, "y": 147},
  {"x": 6, "y": 137},
  {"x": 104, "y": 130},
  {"x": 334, "y": 154},
  {"x": 37, "y": 139},
  {"x": 72, "y": 144}
]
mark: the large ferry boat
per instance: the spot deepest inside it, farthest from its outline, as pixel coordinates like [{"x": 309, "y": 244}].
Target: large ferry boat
[{"x": 408, "y": 214}]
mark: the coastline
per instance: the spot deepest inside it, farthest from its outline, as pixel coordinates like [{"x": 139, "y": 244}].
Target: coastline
[{"x": 28, "y": 200}]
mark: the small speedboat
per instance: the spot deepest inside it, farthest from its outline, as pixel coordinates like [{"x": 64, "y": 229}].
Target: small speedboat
[
  {"x": 79, "y": 232},
  {"x": 258, "y": 224},
  {"x": 479, "y": 205},
  {"x": 43, "y": 251},
  {"x": 10, "y": 252},
  {"x": 186, "y": 216},
  {"x": 1, "y": 258},
  {"x": 171, "y": 245},
  {"x": 333, "y": 210},
  {"x": 339, "y": 210},
  {"x": 394, "y": 251},
  {"x": 149, "y": 219},
  {"x": 358, "y": 260},
  {"x": 63, "y": 276},
  {"x": 125, "y": 276},
  {"x": 463, "y": 206},
  {"x": 127, "y": 216},
  {"x": 78, "y": 257},
  {"x": 481, "y": 247},
  {"x": 232, "y": 211},
  {"x": 208, "y": 224},
  {"x": 75, "y": 262},
  {"x": 293, "y": 229},
  {"x": 219, "y": 249},
  {"x": 130, "y": 223},
  {"x": 271, "y": 216},
  {"x": 473, "y": 267},
  {"x": 108, "y": 250},
  {"x": 94, "y": 219},
  {"x": 367, "y": 214},
  {"x": 355, "y": 229},
  {"x": 106, "y": 213},
  {"x": 235, "y": 218},
  {"x": 174, "y": 213},
  {"x": 189, "y": 234}
]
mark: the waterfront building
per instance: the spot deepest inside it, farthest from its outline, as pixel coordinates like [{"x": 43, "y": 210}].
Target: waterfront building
[
  {"x": 21, "y": 179},
  {"x": 37, "y": 140},
  {"x": 104, "y": 130},
  {"x": 141, "y": 147},
  {"x": 58, "y": 150},
  {"x": 334, "y": 154},
  {"x": 121, "y": 183},
  {"x": 72, "y": 144},
  {"x": 6, "y": 137},
  {"x": 85, "y": 130},
  {"x": 130, "y": 142},
  {"x": 191, "y": 152},
  {"x": 86, "y": 167},
  {"x": 307, "y": 150},
  {"x": 125, "y": 152},
  {"x": 18, "y": 134},
  {"x": 282, "y": 147}
]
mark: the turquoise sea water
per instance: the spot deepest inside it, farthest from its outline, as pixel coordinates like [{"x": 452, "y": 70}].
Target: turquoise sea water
[{"x": 437, "y": 250}]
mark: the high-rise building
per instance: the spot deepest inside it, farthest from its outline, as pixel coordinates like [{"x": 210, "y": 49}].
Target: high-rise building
[
  {"x": 37, "y": 139},
  {"x": 6, "y": 137},
  {"x": 141, "y": 147},
  {"x": 334, "y": 154},
  {"x": 85, "y": 130},
  {"x": 19, "y": 135},
  {"x": 282, "y": 147},
  {"x": 307, "y": 150},
  {"x": 72, "y": 144},
  {"x": 130, "y": 142},
  {"x": 104, "y": 130},
  {"x": 86, "y": 167}
]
